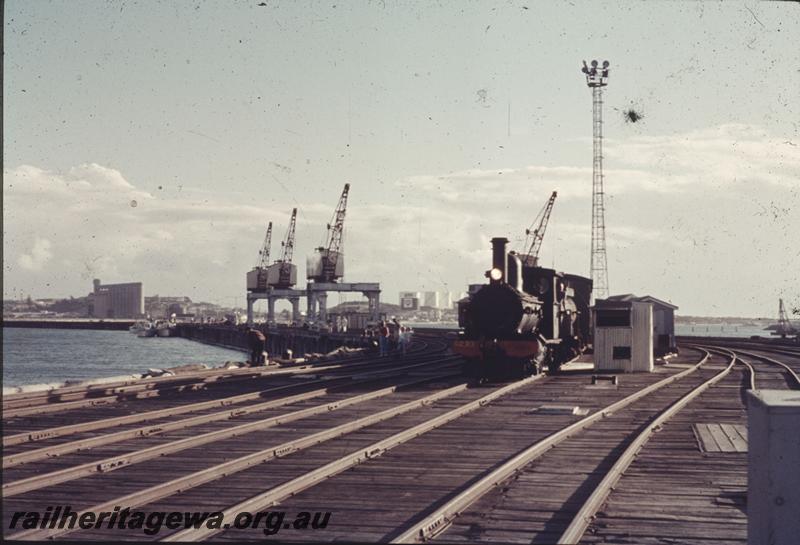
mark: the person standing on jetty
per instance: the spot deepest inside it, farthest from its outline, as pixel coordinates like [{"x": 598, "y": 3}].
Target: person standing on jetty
[
  {"x": 405, "y": 339},
  {"x": 383, "y": 338},
  {"x": 257, "y": 343}
]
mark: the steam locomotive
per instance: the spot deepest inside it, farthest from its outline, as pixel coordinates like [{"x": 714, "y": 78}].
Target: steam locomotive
[{"x": 526, "y": 319}]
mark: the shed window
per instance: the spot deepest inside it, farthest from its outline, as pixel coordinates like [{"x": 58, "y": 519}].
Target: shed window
[
  {"x": 613, "y": 318},
  {"x": 622, "y": 353}
]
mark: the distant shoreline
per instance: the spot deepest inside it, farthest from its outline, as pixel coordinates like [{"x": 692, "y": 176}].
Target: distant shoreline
[{"x": 70, "y": 323}]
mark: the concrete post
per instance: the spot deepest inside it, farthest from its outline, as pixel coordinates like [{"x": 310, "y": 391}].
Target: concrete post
[
  {"x": 295, "y": 309},
  {"x": 311, "y": 312},
  {"x": 271, "y": 309},
  {"x": 377, "y": 310},
  {"x": 773, "y": 467},
  {"x": 323, "y": 307},
  {"x": 370, "y": 303},
  {"x": 250, "y": 311}
]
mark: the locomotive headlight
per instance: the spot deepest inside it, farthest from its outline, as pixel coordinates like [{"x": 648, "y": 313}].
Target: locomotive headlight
[{"x": 495, "y": 274}]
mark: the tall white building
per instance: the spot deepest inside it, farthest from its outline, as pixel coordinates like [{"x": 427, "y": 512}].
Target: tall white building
[
  {"x": 430, "y": 299},
  {"x": 446, "y": 300}
]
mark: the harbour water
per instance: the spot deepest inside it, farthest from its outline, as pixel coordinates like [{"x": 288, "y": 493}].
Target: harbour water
[
  {"x": 683, "y": 330},
  {"x": 720, "y": 330},
  {"x": 54, "y": 356}
]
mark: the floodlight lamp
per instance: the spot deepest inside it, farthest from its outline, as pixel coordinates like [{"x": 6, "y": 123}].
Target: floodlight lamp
[
  {"x": 594, "y": 64},
  {"x": 606, "y": 64}
]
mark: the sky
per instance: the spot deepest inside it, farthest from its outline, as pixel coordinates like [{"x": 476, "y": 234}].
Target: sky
[{"x": 153, "y": 141}]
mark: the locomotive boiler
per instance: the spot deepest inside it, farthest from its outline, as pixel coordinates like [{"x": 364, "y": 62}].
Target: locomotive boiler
[{"x": 525, "y": 319}]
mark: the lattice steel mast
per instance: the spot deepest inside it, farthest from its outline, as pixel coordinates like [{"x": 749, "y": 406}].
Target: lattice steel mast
[{"x": 596, "y": 80}]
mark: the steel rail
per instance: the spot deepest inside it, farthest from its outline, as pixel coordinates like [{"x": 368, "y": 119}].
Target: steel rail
[
  {"x": 14, "y": 401},
  {"x": 18, "y": 402},
  {"x": 112, "y": 463},
  {"x": 127, "y": 395},
  {"x": 51, "y": 451},
  {"x": 192, "y": 480},
  {"x": 440, "y": 519},
  {"x": 307, "y": 480},
  {"x": 751, "y": 373},
  {"x": 773, "y": 361},
  {"x": 71, "y": 429},
  {"x": 150, "y": 389},
  {"x": 586, "y": 513}
]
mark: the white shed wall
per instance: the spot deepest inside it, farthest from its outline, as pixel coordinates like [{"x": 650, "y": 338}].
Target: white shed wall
[
  {"x": 642, "y": 334},
  {"x": 606, "y": 338},
  {"x": 638, "y": 336}
]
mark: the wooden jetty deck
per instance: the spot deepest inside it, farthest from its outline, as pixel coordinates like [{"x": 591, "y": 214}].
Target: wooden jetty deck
[{"x": 400, "y": 449}]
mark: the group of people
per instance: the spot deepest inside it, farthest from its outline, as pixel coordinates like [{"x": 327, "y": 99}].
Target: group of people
[
  {"x": 388, "y": 337},
  {"x": 339, "y": 325}
]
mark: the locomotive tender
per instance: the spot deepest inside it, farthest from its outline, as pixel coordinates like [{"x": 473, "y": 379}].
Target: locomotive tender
[{"x": 526, "y": 318}]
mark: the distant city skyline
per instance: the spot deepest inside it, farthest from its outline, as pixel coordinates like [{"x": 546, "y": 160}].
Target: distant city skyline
[{"x": 153, "y": 142}]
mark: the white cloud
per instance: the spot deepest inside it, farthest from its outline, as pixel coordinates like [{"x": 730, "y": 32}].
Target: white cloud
[
  {"x": 682, "y": 213},
  {"x": 38, "y": 256}
]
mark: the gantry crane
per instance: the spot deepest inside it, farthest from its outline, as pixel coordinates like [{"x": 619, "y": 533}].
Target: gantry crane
[
  {"x": 327, "y": 265},
  {"x": 257, "y": 278},
  {"x": 535, "y": 236},
  {"x": 287, "y": 272},
  {"x": 263, "y": 253}
]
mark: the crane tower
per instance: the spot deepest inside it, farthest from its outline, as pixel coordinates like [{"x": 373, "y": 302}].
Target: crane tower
[
  {"x": 784, "y": 325},
  {"x": 287, "y": 272},
  {"x": 596, "y": 79},
  {"x": 327, "y": 263},
  {"x": 536, "y": 236},
  {"x": 257, "y": 278}
]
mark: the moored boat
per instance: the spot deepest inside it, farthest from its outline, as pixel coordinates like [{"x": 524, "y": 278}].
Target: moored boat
[
  {"x": 165, "y": 328},
  {"x": 140, "y": 325},
  {"x": 149, "y": 332}
]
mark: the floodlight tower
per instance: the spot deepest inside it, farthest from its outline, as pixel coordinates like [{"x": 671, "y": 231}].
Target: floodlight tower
[{"x": 596, "y": 79}]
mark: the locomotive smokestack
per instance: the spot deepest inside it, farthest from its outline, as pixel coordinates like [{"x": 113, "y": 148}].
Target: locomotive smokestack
[{"x": 499, "y": 261}]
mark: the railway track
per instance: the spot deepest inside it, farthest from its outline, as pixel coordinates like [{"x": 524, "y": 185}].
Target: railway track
[
  {"x": 184, "y": 390},
  {"x": 287, "y": 449},
  {"x": 689, "y": 483},
  {"x": 537, "y": 505},
  {"x": 773, "y": 373},
  {"x": 32, "y": 438},
  {"x": 420, "y": 456}
]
